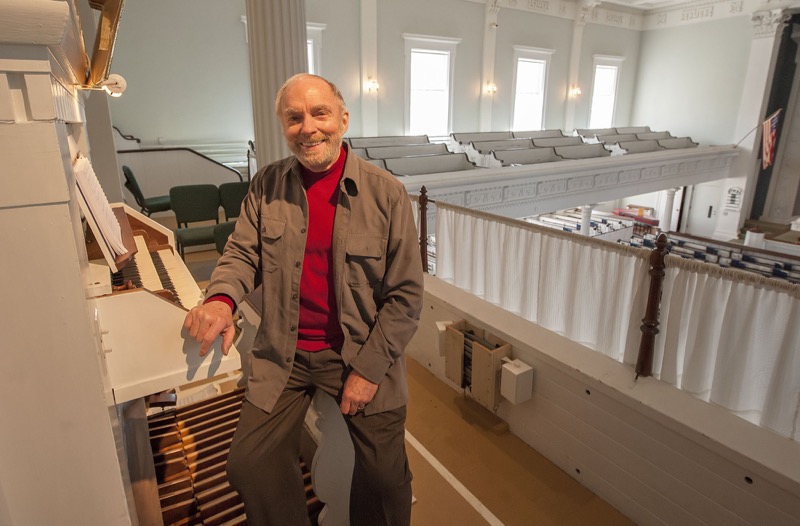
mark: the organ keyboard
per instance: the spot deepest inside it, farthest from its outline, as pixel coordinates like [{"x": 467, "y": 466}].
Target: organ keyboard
[
  {"x": 146, "y": 348},
  {"x": 159, "y": 270}
]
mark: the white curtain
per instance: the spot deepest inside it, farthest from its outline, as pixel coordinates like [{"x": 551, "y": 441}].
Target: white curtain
[
  {"x": 592, "y": 292},
  {"x": 733, "y": 339},
  {"x": 730, "y": 337}
]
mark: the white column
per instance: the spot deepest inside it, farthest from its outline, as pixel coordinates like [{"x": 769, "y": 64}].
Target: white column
[
  {"x": 369, "y": 67},
  {"x": 586, "y": 219},
  {"x": 584, "y": 8},
  {"x": 665, "y": 219},
  {"x": 276, "y": 31},
  {"x": 767, "y": 27},
  {"x": 489, "y": 40}
]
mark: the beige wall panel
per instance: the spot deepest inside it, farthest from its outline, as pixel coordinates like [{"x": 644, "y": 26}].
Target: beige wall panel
[
  {"x": 33, "y": 167},
  {"x": 56, "y": 425},
  {"x": 39, "y": 93}
]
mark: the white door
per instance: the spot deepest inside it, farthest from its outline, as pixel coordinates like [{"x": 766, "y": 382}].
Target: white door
[{"x": 703, "y": 209}]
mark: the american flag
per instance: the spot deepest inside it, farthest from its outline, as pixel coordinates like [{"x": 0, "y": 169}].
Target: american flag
[{"x": 769, "y": 130}]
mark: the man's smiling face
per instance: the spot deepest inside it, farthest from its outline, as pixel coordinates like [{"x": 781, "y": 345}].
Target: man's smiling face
[{"x": 314, "y": 122}]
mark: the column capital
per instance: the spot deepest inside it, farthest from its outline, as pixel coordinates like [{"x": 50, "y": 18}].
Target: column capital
[{"x": 767, "y": 23}]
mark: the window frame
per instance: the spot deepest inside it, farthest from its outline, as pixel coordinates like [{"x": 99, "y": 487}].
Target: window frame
[
  {"x": 608, "y": 61},
  {"x": 314, "y": 35},
  {"x": 447, "y": 45},
  {"x": 530, "y": 53}
]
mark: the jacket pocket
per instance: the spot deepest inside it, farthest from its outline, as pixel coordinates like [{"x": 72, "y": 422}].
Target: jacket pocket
[
  {"x": 271, "y": 235},
  {"x": 366, "y": 259}
]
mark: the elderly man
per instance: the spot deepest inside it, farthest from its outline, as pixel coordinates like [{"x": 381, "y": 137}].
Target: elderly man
[{"x": 332, "y": 240}]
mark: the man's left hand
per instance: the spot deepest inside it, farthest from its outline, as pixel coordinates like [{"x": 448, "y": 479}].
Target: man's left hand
[{"x": 358, "y": 392}]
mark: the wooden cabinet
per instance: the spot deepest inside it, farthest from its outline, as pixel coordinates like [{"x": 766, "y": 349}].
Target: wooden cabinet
[{"x": 473, "y": 360}]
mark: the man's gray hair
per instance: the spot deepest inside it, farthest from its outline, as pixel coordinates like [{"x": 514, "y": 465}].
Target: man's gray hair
[{"x": 303, "y": 76}]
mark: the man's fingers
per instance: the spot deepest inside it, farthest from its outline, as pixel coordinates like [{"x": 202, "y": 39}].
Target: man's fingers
[
  {"x": 187, "y": 323},
  {"x": 208, "y": 321},
  {"x": 227, "y": 340}
]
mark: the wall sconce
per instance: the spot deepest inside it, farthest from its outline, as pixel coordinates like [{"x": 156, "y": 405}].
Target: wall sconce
[
  {"x": 574, "y": 91},
  {"x": 114, "y": 85},
  {"x": 491, "y": 88},
  {"x": 372, "y": 85}
]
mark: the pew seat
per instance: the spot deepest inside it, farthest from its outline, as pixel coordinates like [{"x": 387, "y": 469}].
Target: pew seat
[
  {"x": 582, "y": 151},
  {"x": 387, "y": 140},
  {"x": 591, "y": 133},
  {"x": 556, "y": 141},
  {"x": 677, "y": 142},
  {"x": 532, "y": 156},
  {"x": 466, "y": 138},
  {"x": 633, "y": 129},
  {"x": 640, "y": 146},
  {"x": 486, "y": 147},
  {"x": 616, "y": 138},
  {"x": 428, "y": 164},
  {"x": 387, "y": 152},
  {"x": 537, "y": 134},
  {"x": 649, "y": 136},
  {"x": 377, "y": 162}
]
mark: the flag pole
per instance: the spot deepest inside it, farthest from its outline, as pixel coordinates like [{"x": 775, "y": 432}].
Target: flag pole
[{"x": 756, "y": 127}]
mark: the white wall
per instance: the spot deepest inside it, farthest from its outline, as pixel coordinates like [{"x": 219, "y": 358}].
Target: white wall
[
  {"x": 442, "y": 18},
  {"x": 690, "y": 79},
  {"x": 522, "y": 28},
  {"x": 187, "y": 70},
  {"x": 605, "y": 40},
  {"x": 341, "y": 48}
]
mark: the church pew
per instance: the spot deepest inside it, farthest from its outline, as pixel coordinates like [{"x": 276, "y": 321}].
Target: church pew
[
  {"x": 582, "y": 151},
  {"x": 556, "y": 141},
  {"x": 677, "y": 142},
  {"x": 591, "y": 133},
  {"x": 466, "y": 138},
  {"x": 486, "y": 147},
  {"x": 427, "y": 164},
  {"x": 532, "y": 156},
  {"x": 616, "y": 138},
  {"x": 377, "y": 162},
  {"x": 386, "y": 152},
  {"x": 649, "y": 136},
  {"x": 537, "y": 134},
  {"x": 640, "y": 146},
  {"x": 388, "y": 140},
  {"x": 633, "y": 129}
]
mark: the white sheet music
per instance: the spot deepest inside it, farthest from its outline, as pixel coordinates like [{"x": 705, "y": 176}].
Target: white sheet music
[{"x": 96, "y": 199}]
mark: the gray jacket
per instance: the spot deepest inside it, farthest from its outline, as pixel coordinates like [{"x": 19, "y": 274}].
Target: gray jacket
[{"x": 376, "y": 268}]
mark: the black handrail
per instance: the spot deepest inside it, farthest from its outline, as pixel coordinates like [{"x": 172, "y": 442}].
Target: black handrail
[{"x": 181, "y": 148}]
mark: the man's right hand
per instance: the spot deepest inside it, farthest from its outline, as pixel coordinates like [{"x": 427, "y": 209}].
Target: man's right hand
[{"x": 208, "y": 321}]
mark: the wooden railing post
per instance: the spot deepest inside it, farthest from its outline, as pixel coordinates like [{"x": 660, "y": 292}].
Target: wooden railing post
[
  {"x": 423, "y": 227},
  {"x": 649, "y": 328}
]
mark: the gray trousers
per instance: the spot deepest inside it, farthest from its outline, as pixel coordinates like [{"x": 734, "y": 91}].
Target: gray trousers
[{"x": 263, "y": 461}]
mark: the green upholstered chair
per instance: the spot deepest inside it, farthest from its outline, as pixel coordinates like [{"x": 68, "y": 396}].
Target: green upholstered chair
[
  {"x": 149, "y": 205},
  {"x": 194, "y": 203},
  {"x": 221, "y": 233},
  {"x": 232, "y": 195}
]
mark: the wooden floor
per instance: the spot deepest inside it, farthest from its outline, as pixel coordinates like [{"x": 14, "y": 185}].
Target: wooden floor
[
  {"x": 512, "y": 481},
  {"x": 468, "y": 468}
]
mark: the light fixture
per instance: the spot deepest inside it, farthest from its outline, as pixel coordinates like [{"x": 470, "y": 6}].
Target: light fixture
[
  {"x": 491, "y": 88},
  {"x": 114, "y": 85},
  {"x": 372, "y": 85},
  {"x": 574, "y": 91}
]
